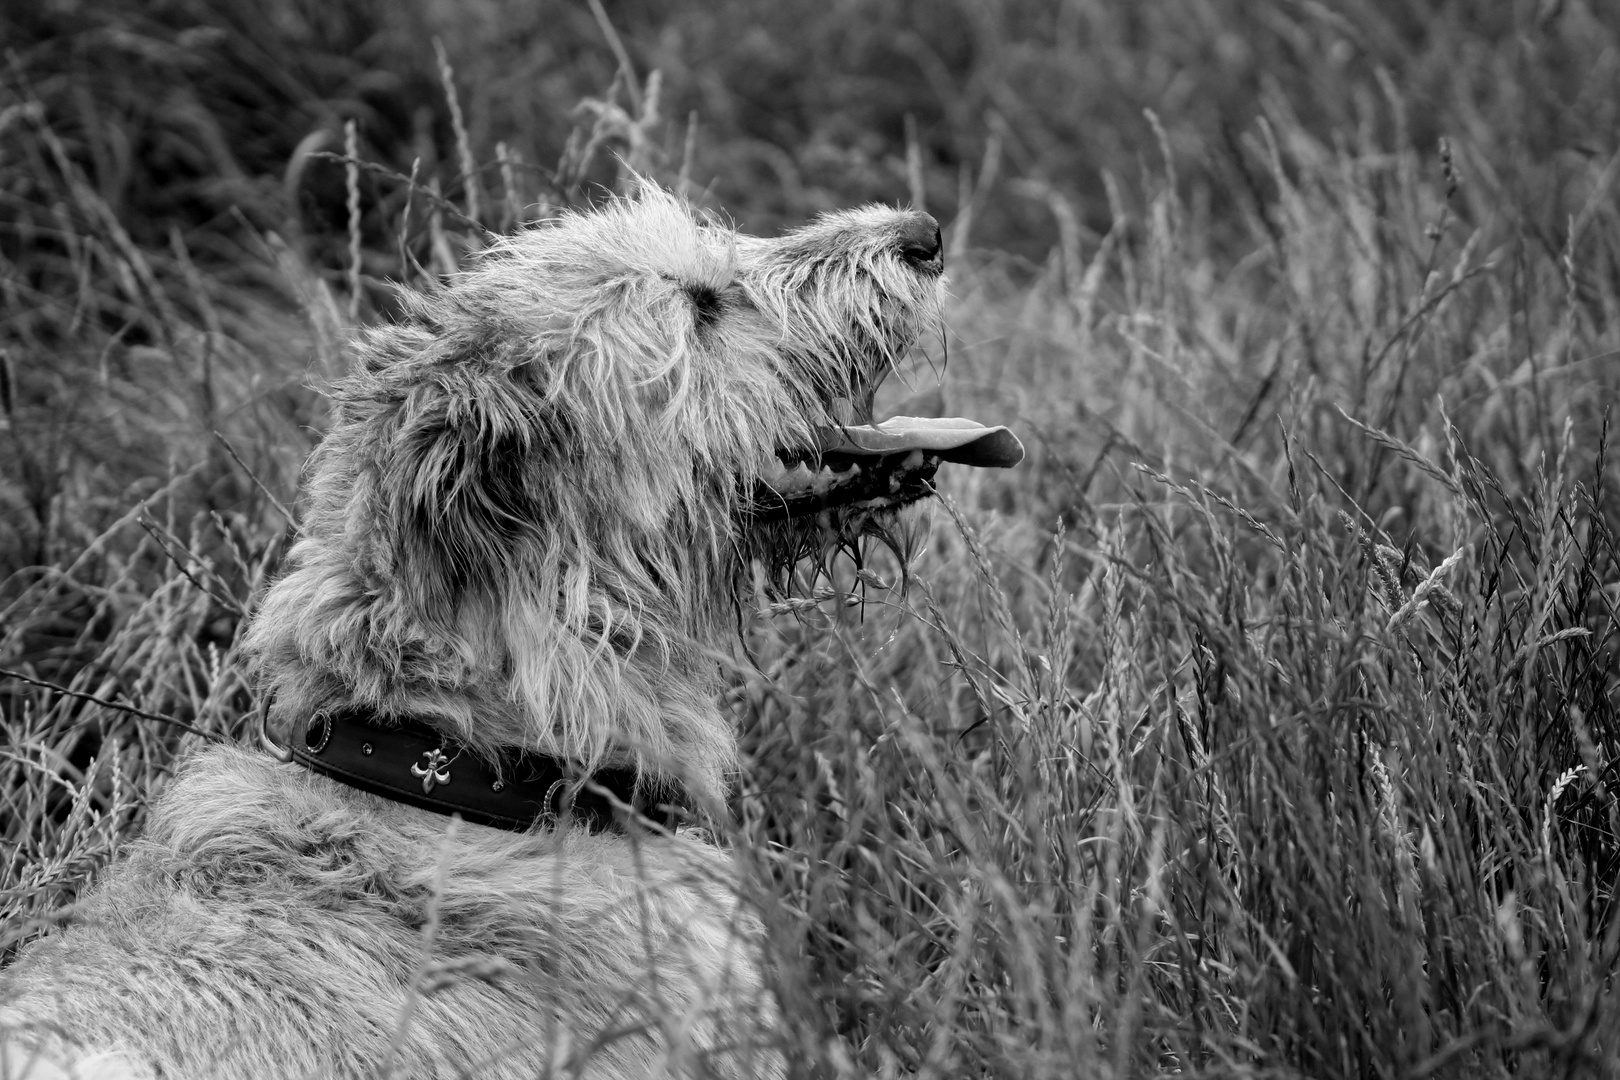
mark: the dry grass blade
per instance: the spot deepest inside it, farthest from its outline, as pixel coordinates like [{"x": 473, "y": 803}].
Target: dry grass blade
[{"x": 105, "y": 703}]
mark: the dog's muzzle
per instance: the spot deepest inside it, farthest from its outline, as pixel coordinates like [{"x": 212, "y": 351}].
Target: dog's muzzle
[{"x": 412, "y": 763}]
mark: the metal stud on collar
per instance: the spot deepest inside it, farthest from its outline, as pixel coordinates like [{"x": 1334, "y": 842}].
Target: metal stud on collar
[{"x": 319, "y": 732}]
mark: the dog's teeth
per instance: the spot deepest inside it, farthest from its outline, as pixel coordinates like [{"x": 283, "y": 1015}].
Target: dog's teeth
[{"x": 803, "y": 480}]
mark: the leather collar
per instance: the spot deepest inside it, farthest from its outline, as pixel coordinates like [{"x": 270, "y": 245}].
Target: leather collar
[{"x": 410, "y": 762}]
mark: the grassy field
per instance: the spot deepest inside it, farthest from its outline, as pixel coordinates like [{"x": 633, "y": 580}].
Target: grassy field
[{"x": 1262, "y": 724}]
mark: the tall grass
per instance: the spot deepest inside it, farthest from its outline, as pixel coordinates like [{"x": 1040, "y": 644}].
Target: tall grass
[{"x": 1261, "y": 724}]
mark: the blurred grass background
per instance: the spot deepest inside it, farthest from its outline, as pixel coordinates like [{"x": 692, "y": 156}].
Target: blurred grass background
[{"x": 1262, "y": 724}]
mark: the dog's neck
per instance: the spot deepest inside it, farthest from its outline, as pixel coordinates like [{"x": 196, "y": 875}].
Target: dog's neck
[{"x": 503, "y": 674}]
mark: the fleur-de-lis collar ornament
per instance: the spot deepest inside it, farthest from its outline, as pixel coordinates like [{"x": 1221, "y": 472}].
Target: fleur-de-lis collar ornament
[{"x": 434, "y": 771}]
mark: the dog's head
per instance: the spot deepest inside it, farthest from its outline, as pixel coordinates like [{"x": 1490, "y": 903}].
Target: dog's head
[
  {"x": 854, "y": 292},
  {"x": 542, "y": 488}
]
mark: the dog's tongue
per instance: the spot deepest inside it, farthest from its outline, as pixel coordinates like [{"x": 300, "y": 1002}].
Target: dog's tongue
[{"x": 950, "y": 439}]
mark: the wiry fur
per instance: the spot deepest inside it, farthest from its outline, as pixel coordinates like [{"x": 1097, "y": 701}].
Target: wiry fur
[
  {"x": 528, "y": 526},
  {"x": 524, "y": 522}
]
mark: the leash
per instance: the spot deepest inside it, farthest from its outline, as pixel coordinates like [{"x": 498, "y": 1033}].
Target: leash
[{"x": 409, "y": 762}]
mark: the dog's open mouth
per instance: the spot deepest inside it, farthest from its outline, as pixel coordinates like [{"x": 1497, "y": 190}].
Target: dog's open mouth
[{"x": 879, "y": 466}]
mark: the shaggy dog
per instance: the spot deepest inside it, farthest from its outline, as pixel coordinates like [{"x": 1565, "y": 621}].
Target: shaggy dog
[{"x": 544, "y": 496}]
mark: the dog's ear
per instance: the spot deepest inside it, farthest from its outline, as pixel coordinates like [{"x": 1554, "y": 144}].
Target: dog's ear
[{"x": 458, "y": 450}]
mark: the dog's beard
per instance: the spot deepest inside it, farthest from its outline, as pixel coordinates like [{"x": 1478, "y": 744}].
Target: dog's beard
[{"x": 793, "y": 554}]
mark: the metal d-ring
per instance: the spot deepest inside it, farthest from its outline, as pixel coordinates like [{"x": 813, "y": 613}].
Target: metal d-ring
[
  {"x": 281, "y": 753},
  {"x": 552, "y": 814}
]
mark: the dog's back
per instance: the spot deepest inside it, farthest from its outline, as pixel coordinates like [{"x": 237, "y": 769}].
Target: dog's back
[{"x": 273, "y": 923}]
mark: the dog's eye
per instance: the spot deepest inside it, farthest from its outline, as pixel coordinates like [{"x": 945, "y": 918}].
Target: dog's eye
[{"x": 706, "y": 304}]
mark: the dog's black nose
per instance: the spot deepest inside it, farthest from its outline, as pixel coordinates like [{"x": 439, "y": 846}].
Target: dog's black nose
[{"x": 919, "y": 243}]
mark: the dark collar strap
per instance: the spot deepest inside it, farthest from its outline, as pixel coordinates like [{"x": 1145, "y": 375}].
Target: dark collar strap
[{"x": 410, "y": 762}]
